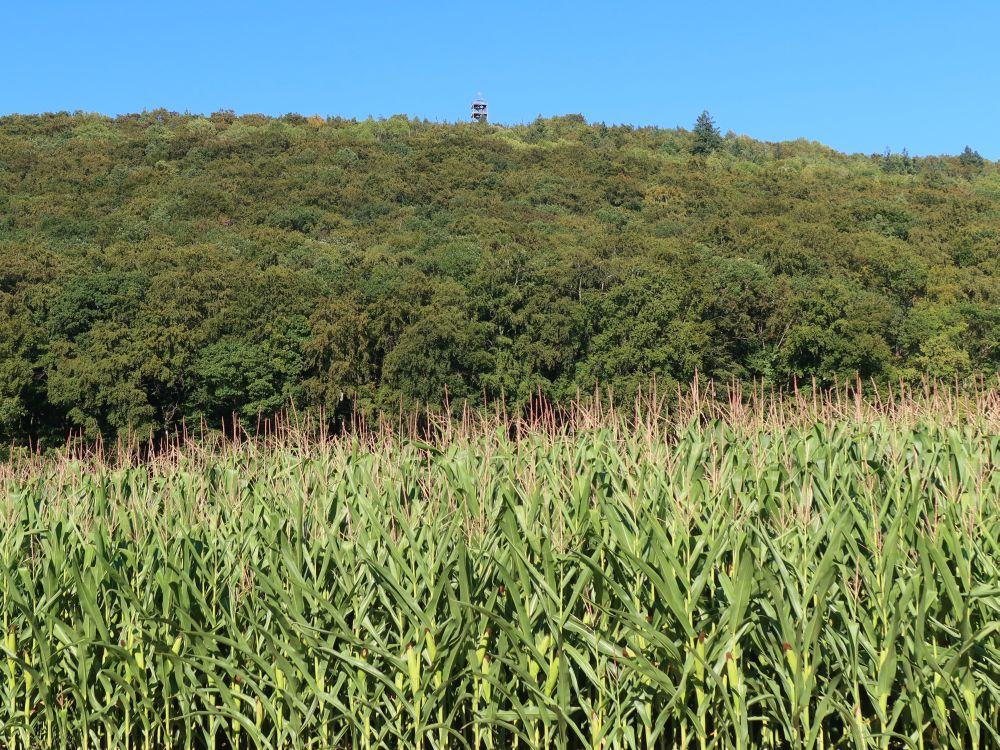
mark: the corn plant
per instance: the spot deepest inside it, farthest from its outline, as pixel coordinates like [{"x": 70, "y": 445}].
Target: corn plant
[{"x": 741, "y": 572}]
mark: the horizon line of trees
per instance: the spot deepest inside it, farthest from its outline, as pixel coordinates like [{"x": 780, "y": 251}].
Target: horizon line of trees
[{"x": 157, "y": 267}]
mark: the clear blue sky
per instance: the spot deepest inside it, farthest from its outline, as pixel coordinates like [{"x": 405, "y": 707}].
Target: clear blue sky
[{"x": 859, "y": 76}]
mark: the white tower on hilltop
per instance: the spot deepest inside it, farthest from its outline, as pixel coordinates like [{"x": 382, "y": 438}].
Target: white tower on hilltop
[{"x": 479, "y": 108}]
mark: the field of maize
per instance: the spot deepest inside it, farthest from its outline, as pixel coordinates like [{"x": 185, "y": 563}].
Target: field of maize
[{"x": 735, "y": 572}]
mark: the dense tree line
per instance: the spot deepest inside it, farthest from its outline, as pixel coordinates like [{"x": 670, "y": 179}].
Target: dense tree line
[{"x": 159, "y": 267}]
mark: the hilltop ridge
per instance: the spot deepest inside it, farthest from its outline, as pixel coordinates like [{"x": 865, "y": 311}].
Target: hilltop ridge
[{"x": 162, "y": 266}]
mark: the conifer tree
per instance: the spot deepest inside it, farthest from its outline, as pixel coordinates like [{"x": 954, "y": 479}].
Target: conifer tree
[
  {"x": 706, "y": 135},
  {"x": 970, "y": 158}
]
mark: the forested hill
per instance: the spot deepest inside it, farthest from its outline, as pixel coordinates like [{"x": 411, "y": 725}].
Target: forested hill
[{"x": 160, "y": 266}]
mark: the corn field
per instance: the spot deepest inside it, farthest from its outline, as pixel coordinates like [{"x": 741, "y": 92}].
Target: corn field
[{"x": 739, "y": 571}]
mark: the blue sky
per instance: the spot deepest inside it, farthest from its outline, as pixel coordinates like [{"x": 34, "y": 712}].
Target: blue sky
[{"x": 859, "y": 76}]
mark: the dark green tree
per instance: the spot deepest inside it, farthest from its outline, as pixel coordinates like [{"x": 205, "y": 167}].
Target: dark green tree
[
  {"x": 706, "y": 135},
  {"x": 970, "y": 158}
]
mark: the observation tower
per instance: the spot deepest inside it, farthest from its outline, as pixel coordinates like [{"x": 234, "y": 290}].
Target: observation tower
[{"x": 479, "y": 108}]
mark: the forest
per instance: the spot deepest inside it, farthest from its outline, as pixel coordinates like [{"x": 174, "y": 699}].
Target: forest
[{"x": 164, "y": 269}]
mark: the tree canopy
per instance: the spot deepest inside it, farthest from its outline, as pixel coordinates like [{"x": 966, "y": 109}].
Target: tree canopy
[{"x": 161, "y": 267}]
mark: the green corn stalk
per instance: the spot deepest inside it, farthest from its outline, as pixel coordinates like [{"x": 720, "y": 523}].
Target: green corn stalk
[{"x": 617, "y": 584}]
